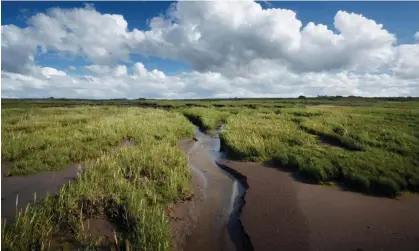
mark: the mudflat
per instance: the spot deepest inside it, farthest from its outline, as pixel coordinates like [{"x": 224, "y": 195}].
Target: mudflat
[{"x": 281, "y": 213}]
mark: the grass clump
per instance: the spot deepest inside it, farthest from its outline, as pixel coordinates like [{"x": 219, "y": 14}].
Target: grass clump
[{"x": 130, "y": 187}]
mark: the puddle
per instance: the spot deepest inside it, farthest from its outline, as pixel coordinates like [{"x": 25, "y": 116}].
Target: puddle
[
  {"x": 218, "y": 225},
  {"x": 19, "y": 191}
]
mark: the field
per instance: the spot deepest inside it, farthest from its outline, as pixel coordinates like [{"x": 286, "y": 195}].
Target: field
[{"x": 367, "y": 145}]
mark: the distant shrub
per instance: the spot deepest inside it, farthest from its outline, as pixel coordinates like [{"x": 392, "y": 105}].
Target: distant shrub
[{"x": 301, "y": 97}]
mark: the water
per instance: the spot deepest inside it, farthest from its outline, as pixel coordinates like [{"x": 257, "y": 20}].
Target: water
[
  {"x": 218, "y": 226},
  {"x": 18, "y": 191}
]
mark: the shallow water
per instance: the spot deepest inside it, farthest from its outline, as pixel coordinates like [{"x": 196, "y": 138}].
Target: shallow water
[
  {"x": 218, "y": 226},
  {"x": 18, "y": 191}
]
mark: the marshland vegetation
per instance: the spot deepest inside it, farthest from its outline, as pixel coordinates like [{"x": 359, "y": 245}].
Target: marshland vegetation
[
  {"x": 129, "y": 187},
  {"x": 368, "y": 145}
]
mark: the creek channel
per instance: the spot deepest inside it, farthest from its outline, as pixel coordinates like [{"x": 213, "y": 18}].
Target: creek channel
[{"x": 218, "y": 225}]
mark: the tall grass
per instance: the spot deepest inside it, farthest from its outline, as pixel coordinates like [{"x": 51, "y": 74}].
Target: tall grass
[
  {"x": 206, "y": 118},
  {"x": 131, "y": 187},
  {"x": 52, "y": 138},
  {"x": 372, "y": 150}
]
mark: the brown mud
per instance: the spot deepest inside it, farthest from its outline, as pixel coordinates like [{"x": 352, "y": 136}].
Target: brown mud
[
  {"x": 184, "y": 215},
  {"x": 98, "y": 229},
  {"x": 281, "y": 213}
]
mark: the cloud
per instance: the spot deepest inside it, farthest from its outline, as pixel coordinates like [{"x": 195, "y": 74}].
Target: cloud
[
  {"x": 18, "y": 49},
  {"x": 49, "y": 72},
  {"x": 78, "y": 31},
  {"x": 233, "y": 49},
  {"x": 137, "y": 82},
  {"x": 406, "y": 64},
  {"x": 223, "y": 36}
]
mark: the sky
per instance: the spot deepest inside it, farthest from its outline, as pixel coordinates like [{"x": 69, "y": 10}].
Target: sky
[{"x": 211, "y": 49}]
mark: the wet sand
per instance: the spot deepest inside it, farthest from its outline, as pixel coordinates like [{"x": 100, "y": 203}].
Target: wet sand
[{"x": 281, "y": 213}]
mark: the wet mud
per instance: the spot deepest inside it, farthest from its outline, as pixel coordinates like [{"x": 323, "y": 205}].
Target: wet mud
[
  {"x": 281, "y": 213},
  {"x": 218, "y": 198}
]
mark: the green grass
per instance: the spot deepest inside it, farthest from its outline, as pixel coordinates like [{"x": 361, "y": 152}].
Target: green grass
[
  {"x": 52, "y": 138},
  {"x": 129, "y": 186},
  {"x": 373, "y": 150},
  {"x": 215, "y": 103},
  {"x": 206, "y": 118}
]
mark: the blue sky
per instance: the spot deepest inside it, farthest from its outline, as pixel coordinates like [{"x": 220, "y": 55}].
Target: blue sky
[{"x": 220, "y": 59}]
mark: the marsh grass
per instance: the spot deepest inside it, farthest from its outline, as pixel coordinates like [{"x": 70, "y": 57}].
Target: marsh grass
[
  {"x": 130, "y": 187},
  {"x": 52, "y": 138},
  {"x": 206, "y": 118},
  {"x": 358, "y": 146}
]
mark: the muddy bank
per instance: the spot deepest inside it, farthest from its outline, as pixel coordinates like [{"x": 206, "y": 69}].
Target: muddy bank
[
  {"x": 270, "y": 215},
  {"x": 284, "y": 214},
  {"x": 211, "y": 229},
  {"x": 19, "y": 191},
  {"x": 210, "y": 219},
  {"x": 184, "y": 214}
]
